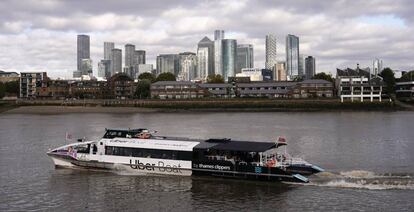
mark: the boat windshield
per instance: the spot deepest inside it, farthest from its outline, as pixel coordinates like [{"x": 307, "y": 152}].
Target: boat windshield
[
  {"x": 78, "y": 148},
  {"x": 110, "y": 133},
  {"x": 82, "y": 148}
]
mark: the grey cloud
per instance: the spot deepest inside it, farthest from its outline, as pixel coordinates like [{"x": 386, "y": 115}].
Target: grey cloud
[
  {"x": 37, "y": 31},
  {"x": 347, "y": 8}
]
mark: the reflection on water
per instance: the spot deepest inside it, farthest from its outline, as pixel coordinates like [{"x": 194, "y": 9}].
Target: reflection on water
[
  {"x": 107, "y": 190},
  {"x": 97, "y": 190},
  {"x": 368, "y": 158}
]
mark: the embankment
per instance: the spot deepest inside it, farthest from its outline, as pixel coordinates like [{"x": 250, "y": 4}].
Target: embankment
[{"x": 216, "y": 105}]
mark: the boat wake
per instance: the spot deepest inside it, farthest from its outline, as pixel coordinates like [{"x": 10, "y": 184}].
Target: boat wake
[{"x": 361, "y": 179}]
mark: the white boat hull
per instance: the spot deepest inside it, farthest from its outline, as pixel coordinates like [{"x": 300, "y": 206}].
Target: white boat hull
[
  {"x": 60, "y": 162},
  {"x": 133, "y": 167}
]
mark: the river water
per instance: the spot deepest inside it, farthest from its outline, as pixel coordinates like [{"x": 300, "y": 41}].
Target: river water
[{"x": 368, "y": 158}]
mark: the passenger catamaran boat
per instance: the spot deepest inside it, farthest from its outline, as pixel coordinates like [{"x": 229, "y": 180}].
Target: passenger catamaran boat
[{"x": 139, "y": 151}]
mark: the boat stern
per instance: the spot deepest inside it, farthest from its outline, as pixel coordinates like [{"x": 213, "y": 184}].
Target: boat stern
[{"x": 317, "y": 169}]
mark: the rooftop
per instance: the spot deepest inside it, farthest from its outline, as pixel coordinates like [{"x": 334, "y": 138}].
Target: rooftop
[
  {"x": 173, "y": 83},
  {"x": 352, "y": 72},
  {"x": 314, "y": 81},
  {"x": 241, "y": 146}
]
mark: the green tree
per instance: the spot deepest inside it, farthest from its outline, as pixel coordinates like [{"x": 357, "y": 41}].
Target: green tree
[
  {"x": 147, "y": 76},
  {"x": 407, "y": 77},
  {"x": 388, "y": 75},
  {"x": 297, "y": 78},
  {"x": 323, "y": 76},
  {"x": 12, "y": 88},
  {"x": 2, "y": 90},
  {"x": 215, "y": 79},
  {"x": 143, "y": 89},
  {"x": 167, "y": 76}
]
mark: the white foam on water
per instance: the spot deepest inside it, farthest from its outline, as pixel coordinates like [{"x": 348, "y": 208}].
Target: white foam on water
[
  {"x": 359, "y": 174},
  {"x": 362, "y": 179},
  {"x": 362, "y": 174},
  {"x": 363, "y": 184},
  {"x": 326, "y": 175}
]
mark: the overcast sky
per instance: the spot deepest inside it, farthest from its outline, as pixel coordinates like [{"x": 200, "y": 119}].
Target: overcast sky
[{"x": 40, "y": 35}]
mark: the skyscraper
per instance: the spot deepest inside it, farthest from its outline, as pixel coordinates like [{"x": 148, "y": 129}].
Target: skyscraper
[
  {"x": 301, "y": 67},
  {"x": 139, "y": 57},
  {"x": 168, "y": 63},
  {"x": 202, "y": 63},
  {"x": 310, "y": 67},
  {"x": 229, "y": 58},
  {"x": 270, "y": 51},
  {"x": 245, "y": 57},
  {"x": 218, "y": 51},
  {"x": 218, "y": 34},
  {"x": 205, "y": 55},
  {"x": 108, "y": 46},
  {"x": 377, "y": 67},
  {"x": 104, "y": 69},
  {"x": 129, "y": 55},
  {"x": 83, "y": 49},
  {"x": 188, "y": 66},
  {"x": 86, "y": 67},
  {"x": 142, "y": 68},
  {"x": 129, "y": 60},
  {"x": 292, "y": 56},
  {"x": 116, "y": 61}
]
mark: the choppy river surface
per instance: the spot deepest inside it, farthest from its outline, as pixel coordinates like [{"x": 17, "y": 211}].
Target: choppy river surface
[{"x": 368, "y": 157}]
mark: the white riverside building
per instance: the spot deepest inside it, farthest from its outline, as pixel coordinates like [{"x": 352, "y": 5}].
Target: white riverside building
[
  {"x": 255, "y": 74},
  {"x": 358, "y": 85}
]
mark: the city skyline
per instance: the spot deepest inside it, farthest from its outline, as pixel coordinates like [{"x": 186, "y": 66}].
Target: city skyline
[{"x": 338, "y": 35}]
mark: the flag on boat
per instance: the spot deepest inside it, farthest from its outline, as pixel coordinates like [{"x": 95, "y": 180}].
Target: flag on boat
[{"x": 281, "y": 141}]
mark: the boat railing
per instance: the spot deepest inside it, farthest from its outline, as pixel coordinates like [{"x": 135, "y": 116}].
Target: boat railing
[
  {"x": 295, "y": 160},
  {"x": 281, "y": 160}
]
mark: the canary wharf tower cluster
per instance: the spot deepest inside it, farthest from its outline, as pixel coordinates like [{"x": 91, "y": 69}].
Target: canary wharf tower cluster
[{"x": 220, "y": 56}]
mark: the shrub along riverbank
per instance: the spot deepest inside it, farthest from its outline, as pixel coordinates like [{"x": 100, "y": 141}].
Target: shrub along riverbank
[{"x": 218, "y": 104}]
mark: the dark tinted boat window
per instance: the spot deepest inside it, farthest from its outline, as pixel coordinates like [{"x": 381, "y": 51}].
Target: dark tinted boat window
[
  {"x": 82, "y": 148},
  {"x": 148, "y": 153}
]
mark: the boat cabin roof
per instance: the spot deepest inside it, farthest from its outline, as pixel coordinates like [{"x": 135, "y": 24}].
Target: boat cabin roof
[
  {"x": 238, "y": 146},
  {"x": 221, "y": 144}
]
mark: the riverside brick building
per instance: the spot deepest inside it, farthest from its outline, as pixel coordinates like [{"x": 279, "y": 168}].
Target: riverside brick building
[
  {"x": 177, "y": 90},
  {"x": 280, "y": 89},
  {"x": 121, "y": 86}
]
